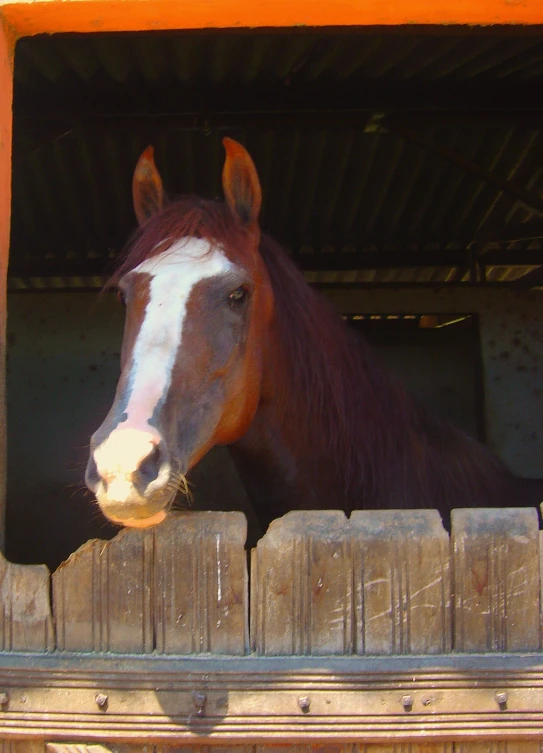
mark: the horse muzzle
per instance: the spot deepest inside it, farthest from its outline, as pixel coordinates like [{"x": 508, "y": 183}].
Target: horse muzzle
[{"x": 131, "y": 477}]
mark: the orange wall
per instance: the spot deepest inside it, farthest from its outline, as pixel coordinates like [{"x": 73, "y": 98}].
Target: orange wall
[
  {"x": 35, "y": 16},
  {"x": 6, "y": 79}
]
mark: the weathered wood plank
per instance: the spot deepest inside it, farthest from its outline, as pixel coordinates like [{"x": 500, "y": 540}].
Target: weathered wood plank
[
  {"x": 22, "y": 746},
  {"x": 102, "y": 596},
  {"x": 497, "y": 586},
  {"x": 201, "y": 584},
  {"x": 403, "y": 585},
  {"x": 178, "y": 588},
  {"x": 378, "y": 583},
  {"x": 499, "y": 747},
  {"x": 25, "y": 611},
  {"x": 425, "y": 747}
]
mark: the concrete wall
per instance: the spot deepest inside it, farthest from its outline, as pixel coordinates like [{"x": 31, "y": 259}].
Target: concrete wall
[
  {"x": 63, "y": 363},
  {"x": 511, "y": 334}
]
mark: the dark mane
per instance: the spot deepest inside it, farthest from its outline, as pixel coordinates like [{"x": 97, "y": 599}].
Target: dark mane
[{"x": 389, "y": 452}]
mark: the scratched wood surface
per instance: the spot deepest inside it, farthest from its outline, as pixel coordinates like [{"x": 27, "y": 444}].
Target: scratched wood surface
[
  {"x": 497, "y": 583},
  {"x": 378, "y": 583},
  {"x": 178, "y": 588},
  {"x": 25, "y": 614}
]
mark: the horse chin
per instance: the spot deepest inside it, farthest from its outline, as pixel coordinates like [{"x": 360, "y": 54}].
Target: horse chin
[
  {"x": 153, "y": 520},
  {"x": 144, "y": 514}
]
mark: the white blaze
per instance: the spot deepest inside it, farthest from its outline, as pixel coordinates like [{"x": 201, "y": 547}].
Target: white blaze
[{"x": 173, "y": 273}]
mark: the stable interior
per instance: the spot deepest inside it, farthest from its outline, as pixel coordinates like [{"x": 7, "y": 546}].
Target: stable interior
[{"x": 401, "y": 170}]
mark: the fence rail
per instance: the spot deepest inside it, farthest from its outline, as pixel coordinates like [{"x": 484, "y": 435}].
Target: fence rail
[{"x": 379, "y": 631}]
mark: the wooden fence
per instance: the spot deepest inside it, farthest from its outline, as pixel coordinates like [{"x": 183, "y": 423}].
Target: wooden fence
[{"x": 380, "y": 632}]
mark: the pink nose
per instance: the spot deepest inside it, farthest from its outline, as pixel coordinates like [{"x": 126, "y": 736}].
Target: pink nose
[{"x": 128, "y": 458}]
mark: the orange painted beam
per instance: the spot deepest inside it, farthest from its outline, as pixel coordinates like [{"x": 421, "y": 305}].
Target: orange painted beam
[
  {"x": 7, "y": 42},
  {"x": 28, "y": 17}
]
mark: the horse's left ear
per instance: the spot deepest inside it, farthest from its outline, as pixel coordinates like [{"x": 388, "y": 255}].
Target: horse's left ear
[
  {"x": 147, "y": 190},
  {"x": 240, "y": 183}
]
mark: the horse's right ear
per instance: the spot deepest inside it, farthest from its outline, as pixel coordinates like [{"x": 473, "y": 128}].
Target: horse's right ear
[{"x": 147, "y": 190}]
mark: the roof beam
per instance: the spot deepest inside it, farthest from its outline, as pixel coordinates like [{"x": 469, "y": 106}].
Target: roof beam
[
  {"x": 310, "y": 262},
  {"x": 513, "y": 189}
]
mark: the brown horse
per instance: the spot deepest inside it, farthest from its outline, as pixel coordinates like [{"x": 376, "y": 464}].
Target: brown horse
[{"x": 225, "y": 343}]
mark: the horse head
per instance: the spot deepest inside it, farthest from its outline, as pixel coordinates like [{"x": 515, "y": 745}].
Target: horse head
[{"x": 198, "y": 302}]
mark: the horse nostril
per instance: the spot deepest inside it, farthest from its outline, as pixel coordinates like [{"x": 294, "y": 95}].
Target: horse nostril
[
  {"x": 92, "y": 476},
  {"x": 149, "y": 468}
]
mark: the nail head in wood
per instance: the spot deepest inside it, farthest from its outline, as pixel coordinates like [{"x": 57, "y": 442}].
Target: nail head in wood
[
  {"x": 407, "y": 702},
  {"x": 304, "y": 703},
  {"x": 200, "y": 700},
  {"x": 101, "y": 700}
]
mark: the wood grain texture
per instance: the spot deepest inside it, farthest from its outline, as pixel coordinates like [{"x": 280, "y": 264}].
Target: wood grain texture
[
  {"x": 497, "y": 586},
  {"x": 178, "y": 588},
  {"x": 378, "y": 583},
  {"x": 25, "y": 612},
  {"x": 499, "y": 747}
]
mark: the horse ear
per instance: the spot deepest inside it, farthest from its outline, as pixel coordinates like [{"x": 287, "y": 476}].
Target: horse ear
[
  {"x": 240, "y": 182},
  {"x": 147, "y": 190}
]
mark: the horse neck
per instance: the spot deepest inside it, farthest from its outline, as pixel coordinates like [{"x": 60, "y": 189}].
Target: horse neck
[{"x": 334, "y": 429}]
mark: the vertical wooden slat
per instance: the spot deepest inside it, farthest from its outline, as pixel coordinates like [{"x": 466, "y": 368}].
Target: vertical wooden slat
[
  {"x": 7, "y": 43},
  {"x": 201, "y": 583},
  {"x": 102, "y": 595},
  {"x": 301, "y": 600},
  {"x": 497, "y": 587},
  {"x": 378, "y": 583},
  {"x": 178, "y": 588},
  {"x": 25, "y": 612},
  {"x": 402, "y": 577}
]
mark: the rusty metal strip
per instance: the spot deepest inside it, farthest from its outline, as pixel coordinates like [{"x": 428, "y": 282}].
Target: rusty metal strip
[{"x": 84, "y": 699}]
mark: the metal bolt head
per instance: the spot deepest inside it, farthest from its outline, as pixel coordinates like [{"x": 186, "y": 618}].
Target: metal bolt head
[
  {"x": 101, "y": 700},
  {"x": 304, "y": 703},
  {"x": 4, "y": 700},
  {"x": 200, "y": 700},
  {"x": 407, "y": 702},
  {"x": 501, "y": 697}
]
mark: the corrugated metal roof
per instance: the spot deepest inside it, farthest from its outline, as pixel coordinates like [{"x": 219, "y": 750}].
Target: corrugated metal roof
[{"x": 335, "y": 177}]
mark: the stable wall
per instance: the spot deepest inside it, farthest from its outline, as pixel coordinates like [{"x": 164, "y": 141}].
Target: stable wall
[{"x": 511, "y": 334}]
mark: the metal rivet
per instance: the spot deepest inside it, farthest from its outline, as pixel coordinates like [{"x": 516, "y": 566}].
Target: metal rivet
[
  {"x": 304, "y": 703},
  {"x": 501, "y": 698},
  {"x": 407, "y": 702},
  {"x": 4, "y": 700},
  {"x": 101, "y": 700},
  {"x": 200, "y": 700}
]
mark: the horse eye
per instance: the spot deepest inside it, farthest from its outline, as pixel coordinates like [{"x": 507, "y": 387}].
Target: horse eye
[
  {"x": 121, "y": 297},
  {"x": 239, "y": 295}
]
